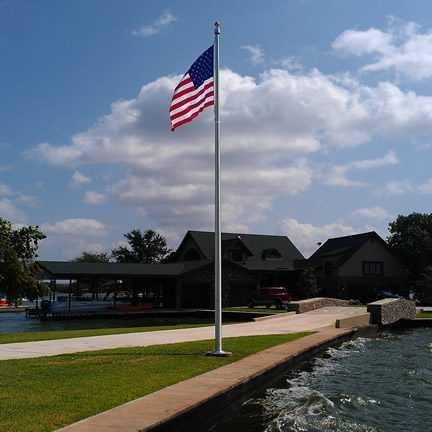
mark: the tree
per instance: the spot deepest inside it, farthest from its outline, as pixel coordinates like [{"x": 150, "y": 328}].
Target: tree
[
  {"x": 307, "y": 284},
  {"x": 423, "y": 286},
  {"x": 92, "y": 257},
  {"x": 17, "y": 267},
  {"x": 148, "y": 248},
  {"x": 411, "y": 240}
]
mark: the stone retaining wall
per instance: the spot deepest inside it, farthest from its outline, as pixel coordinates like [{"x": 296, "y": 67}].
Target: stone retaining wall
[
  {"x": 389, "y": 311},
  {"x": 302, "y": 306}
]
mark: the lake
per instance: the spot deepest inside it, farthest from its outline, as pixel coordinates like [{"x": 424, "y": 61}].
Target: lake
[
  {"x": 366, "y": 385},
  {"x": 16, "y": 322}
]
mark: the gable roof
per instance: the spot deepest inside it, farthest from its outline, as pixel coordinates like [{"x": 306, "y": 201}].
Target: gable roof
[
  {"x": 254, "y": 244},
  {"x": 340, "y": 249}
]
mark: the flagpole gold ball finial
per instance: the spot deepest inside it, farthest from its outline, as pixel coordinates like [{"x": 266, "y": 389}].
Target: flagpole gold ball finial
[{"x": 217, "y": 23}]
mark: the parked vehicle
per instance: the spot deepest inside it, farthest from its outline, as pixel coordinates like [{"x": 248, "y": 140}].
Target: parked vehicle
[
  {"x": 387, "y": 294},
  {"x": 269, "y": 296}
]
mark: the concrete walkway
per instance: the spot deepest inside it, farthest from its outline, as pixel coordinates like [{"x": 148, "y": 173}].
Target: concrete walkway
[{"x": 320, "y": 319}]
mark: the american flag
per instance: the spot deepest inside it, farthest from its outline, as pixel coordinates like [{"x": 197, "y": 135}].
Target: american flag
[{"x": 195, "y": 90}]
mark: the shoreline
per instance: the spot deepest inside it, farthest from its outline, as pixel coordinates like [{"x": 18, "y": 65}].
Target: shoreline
[
  {"x": 191, "y": 404},
  {"x": 186, "y": 405}
]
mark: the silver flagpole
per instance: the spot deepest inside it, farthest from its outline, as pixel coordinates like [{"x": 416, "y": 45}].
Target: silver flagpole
[{"x": 218, "y": 258}]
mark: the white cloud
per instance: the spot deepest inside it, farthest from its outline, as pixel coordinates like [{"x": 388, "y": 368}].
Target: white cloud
[
  {"x": 95, "y": 198},
  {"x": 395, "y": 187},
  {"x": 337, "y": 174},
  {"x": 264, "y": 145},
  {"x": 9, "y": 211},
  {"x": 307, "y": 236},
  {"x": 257, "y": 54},
  {"x": 291, "y": 63},
  {"x": 363, "y": 42},
  {"x": 94, "y": 247},
  {"x": 426, "y": 188},
  {"x": 77, "y": 246},
  {"x": 80, "y": 227},
  {"x": 29, "y": 200},
  {"x": 5, "y": 189},
  {"x": 79, "y": 179},
  {"x": 403, "y": 48},
  {"x": 156, "y": 27},
  {"x": 388, "y": 159},
  {"x": 372, "y": 213}
]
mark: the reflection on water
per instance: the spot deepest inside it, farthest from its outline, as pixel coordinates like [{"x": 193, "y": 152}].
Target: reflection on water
[
  {"x": 374, "y": 384},
  {"x": 16, "y": 322}
]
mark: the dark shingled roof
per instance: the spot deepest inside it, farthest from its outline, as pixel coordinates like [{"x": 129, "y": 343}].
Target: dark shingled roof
[
  {"x": 252, "y": 244},
  {"x": 341, "y": 248},
  {"x": 74, "y": 270},
  {"x": 255, "y": 244}
]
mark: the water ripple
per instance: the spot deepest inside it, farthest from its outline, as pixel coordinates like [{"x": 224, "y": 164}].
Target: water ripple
[{"x": 367, "y": 385}]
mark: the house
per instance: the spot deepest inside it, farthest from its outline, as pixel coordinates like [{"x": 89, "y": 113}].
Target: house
[
  {"x": 187, "y": 280},
  {"x": 248, "y": 261},
  {"x": 354, "y": 266},
  {"x": 357, "y": 266}
]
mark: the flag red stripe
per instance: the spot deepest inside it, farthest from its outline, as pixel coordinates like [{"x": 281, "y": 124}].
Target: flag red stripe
[
  {"x": 192, "y": 116},
  {"x": 175, "y": 104},
  {"x": 192, "y": 112},
  {"x": 203, "y": 93},
  {"x": 181, "y": 84},
  {"x": 190, "y": 107}
]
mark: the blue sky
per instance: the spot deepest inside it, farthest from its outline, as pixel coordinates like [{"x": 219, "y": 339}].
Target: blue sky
[{"x": 326, "y": 110}]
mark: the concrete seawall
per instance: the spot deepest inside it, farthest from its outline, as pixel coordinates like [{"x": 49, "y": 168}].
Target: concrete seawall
[
  {"x": 314, "y": 303},
  {"x": 192, "y": 403},
  {"x": 391, "y": 310}
]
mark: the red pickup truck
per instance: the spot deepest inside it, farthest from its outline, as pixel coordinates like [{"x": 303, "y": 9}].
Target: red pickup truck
[{"x": 270, "y": 295}]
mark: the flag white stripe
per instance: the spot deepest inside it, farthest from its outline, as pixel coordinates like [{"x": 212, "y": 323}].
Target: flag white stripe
[
  {"x": 193, "y": 111},
  {"x": 181, "y": 87},
  {"x": 184, "y": 106},
  {"x": 191, "y": 93}
]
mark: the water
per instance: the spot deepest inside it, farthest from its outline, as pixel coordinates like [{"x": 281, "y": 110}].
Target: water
[
  {"x": 367, "y": 385},
  {"x": 16, "y": 322}
]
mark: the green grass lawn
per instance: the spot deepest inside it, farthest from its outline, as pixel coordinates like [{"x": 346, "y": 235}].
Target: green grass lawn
[
  {"x": 65, "y": 334},
  {"x": 424, "y": 315},
  {"x": 46, "y": 393},
  {"x": 256, "y": 309}
]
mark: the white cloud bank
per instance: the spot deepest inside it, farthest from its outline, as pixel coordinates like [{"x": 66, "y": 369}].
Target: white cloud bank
[{"x": 270, "y": 126}]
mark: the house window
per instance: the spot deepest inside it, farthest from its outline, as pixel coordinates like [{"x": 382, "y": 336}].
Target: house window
[
  {"x": 236, "y": 255},
  {"x": 373, "y": 268},
  {"x": 271, "y": 255}
]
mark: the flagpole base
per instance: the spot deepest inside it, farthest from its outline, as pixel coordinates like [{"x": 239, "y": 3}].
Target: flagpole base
[{"x": 218, "y": 354}]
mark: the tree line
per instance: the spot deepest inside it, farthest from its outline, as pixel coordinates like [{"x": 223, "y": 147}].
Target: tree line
[{"x": 410, "y": 239}]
